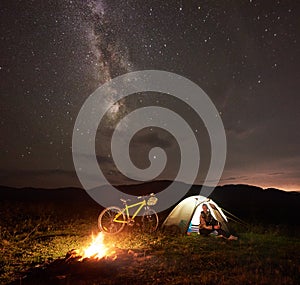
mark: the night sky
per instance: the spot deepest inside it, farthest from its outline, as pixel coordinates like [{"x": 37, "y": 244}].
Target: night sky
[{"x": 243, "y": 54}]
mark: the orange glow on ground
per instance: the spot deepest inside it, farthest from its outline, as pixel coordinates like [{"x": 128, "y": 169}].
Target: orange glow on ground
[{"x": 97, "y": 248}]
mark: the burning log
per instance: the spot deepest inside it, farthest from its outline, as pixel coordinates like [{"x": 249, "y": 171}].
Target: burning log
[
  {"x": 99, "y": 250},
  {"x": 99, "y": 262}
]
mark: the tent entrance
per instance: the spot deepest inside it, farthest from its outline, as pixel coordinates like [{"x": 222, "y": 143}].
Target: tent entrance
[{"x": 195, "y": 220}]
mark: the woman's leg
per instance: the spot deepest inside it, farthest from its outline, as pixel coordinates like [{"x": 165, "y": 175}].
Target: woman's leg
[
  {"x": 205, "y": 232},
  {"x": 223, "y": 233}
]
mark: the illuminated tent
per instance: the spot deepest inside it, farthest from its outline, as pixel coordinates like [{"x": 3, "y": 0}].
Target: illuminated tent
[{"x": 185, "y": 217}]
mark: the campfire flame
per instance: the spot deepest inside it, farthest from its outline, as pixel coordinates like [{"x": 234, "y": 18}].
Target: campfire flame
[{"x": 97, "y": 248}]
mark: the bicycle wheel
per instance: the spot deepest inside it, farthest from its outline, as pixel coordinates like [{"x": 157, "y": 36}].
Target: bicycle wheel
[
  {"x": 106, "y": 220},
  {"x": 149, "y": 221}
]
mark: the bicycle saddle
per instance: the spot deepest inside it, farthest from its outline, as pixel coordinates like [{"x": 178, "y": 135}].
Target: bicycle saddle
[{"x": 124, "y": 200}]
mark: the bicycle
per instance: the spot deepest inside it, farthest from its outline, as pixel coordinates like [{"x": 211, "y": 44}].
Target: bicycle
[{"x": 113, "y": 219}]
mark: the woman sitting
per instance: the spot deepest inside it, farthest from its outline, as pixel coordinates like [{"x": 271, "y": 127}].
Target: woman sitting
[{"x": 208, "y": 225}]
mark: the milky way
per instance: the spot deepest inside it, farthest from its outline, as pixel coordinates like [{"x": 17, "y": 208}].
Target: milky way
[{"x": 243, "y": 55}]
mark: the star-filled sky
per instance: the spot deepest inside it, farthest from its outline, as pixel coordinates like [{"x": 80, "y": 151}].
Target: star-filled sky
[{"x": 243, "y": 54}]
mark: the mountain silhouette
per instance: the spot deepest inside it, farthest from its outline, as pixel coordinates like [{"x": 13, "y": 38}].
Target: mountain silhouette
[{"x": 250, "y": 203}]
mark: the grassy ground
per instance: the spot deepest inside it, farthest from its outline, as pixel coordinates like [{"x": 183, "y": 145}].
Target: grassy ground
[{"x": 31, "y": 241}]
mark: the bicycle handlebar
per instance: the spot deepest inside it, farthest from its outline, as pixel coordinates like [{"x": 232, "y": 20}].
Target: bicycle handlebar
[{"x": 144, "y": 196}]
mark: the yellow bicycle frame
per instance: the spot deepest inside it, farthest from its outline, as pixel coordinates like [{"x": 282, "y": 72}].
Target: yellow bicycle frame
[{"x": 140, "y": 204}]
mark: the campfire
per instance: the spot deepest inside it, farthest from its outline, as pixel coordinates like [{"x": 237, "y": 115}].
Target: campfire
[
  {"x": 97, "y": 249},
  {"x": 100, "y": 261},
  {"x": 101, "y": 249}
]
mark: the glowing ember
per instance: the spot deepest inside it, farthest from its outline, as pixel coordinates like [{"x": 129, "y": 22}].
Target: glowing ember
[{"x": 97, "y": 249}]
